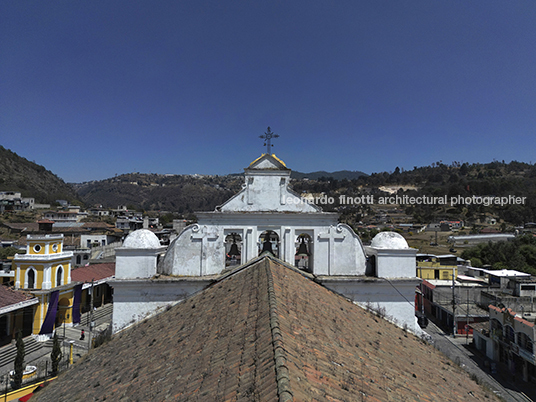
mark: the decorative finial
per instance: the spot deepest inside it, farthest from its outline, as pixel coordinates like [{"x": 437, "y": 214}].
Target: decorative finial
[{"x": 267, "y": 137}]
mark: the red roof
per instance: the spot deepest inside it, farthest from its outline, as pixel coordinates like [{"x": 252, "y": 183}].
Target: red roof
[
  {"x": 93, "y": 272},
  {"x": 97, "y": 225},
  {"x": 9, "y": 296}
]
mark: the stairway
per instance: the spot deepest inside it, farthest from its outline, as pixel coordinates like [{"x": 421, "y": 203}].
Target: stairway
[
  {"x": 100, "y": 316},
  {"x": 8, "y": 353}
]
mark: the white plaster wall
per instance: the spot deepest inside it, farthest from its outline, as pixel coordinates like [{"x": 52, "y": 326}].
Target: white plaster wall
[
  {"x": 397, "y": 263},
  {"x": 135, "y": 263},
  {"x": 349, "y": 254},
  {"x": 267, "y": 191},
  {"x": 399, "y": 303},
  {"x": 135, "y": 301},
  {"x": 200, "y": 249},
  {"x": 191, "y": 256}
]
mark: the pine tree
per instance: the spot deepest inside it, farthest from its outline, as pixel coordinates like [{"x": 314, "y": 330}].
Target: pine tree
[
  {"x": 19, "y": 362},
  {"x": 55, "y": 355}
]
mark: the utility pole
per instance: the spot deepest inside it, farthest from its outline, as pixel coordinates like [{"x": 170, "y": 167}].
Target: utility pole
[
  {"x": 453, "y": 304},
  {"x": 467, "y": 320},
  {"x": 90, "y": 317}
]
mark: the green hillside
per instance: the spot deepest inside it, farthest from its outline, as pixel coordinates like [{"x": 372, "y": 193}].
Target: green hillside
[{"x": 32, "y": 180}]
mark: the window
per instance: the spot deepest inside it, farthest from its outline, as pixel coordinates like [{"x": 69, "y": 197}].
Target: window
[
  {"x": 525, "y": 342},
  {"x": 37, "y": 248},
  {"x": 55, "y": 248},
  {"x": 31, "y": 278},
  {"x": 510, "y": 334},
  {"x": 59, "y": 275}
]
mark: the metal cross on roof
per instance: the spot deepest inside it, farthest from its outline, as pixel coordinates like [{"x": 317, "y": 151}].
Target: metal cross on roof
[{"x": 267, "y": 137}]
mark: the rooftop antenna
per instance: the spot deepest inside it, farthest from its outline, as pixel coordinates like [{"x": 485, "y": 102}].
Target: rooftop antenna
[{"x": 267, "y": 137}]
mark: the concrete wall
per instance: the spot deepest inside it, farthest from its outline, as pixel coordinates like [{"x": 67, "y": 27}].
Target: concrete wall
[
  {"x": 395, "y": 298},
  {"x": 137, "y": 300},
  {"x": 136, "y": 263}
]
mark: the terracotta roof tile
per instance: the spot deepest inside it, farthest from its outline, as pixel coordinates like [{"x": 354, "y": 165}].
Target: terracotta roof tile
[
  {"x": 265, "y": 333},
  {"x": 10, "y": 296},
  {"x": 93, "y": 272}
]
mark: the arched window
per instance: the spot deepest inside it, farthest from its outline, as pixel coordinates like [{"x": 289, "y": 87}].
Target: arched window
[
  {"x": 525, "y": 342},
  {"x": 509, "y": 334},
  {"x": 59, "y": 276},
  {"x": 31, "y": 278}
]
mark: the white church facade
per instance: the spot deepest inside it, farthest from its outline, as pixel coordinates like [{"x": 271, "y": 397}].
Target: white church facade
[{"x": 265, "y": 216}]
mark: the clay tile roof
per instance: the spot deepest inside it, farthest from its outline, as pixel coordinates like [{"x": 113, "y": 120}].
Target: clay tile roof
[
  {"x": 98, "y": 225},
  {"x": 93, "y": 272},
  {"x": 9, "y": 296},
  {"x": 265, "y": 333}
]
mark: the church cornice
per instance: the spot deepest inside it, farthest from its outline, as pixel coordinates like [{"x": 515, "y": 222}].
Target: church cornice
[{"x": 65, "y": 255}]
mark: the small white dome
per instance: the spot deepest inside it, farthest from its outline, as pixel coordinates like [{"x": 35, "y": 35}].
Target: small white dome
[
  {"x": 389, "y": 240},
  {"x": 142, "y": 238}
]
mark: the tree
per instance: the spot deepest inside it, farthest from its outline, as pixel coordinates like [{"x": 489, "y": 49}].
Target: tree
[
  {"x": 55, "y": 355},
  {"x": 19, "y": 362}
]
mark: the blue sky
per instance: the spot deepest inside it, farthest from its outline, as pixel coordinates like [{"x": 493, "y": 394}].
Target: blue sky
[{"x": 90, "y": 89}]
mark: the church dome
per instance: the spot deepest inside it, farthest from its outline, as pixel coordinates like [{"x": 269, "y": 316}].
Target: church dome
[
  {"x": 389, "y": 240},
  {"x": 142, "y": 238}
]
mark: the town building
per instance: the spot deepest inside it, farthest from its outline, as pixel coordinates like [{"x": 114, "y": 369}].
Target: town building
[
  {"x": 509, "y": 339},
  {"x": 45, "y": 272},
  {"x": 431, "y": 266},
  {"x": 474, "y": 239}
]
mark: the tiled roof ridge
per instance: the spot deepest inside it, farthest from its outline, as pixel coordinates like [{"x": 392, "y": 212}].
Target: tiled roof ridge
[{"x": 280, "y": 355}]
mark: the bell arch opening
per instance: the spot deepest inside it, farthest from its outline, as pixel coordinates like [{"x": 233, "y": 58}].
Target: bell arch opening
[
  {"x": 303, "y": 258},
  {"x": 269, "y": 241},
  {"x": 233, "y": 249}
]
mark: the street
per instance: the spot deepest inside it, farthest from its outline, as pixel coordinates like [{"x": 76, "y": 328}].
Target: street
[{"x": 472, "y": 362}]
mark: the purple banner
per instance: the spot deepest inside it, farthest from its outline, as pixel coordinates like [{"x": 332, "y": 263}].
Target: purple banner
[
  {"x": 76, "y": 303},
  {"x": 48, "y": 324}
]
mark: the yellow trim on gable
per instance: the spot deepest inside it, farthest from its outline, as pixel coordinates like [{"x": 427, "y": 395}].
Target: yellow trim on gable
[
  {"x": 280, "y": 161},
  {"x": 256, "y": 159},
  {"x": 272, "y": 155}
]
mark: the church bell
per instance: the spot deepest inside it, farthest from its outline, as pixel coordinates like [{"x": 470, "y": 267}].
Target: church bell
[
  {"x": 234, "y": 249},
  {"x": 302, "y": 249},
  {"x": 267, "y": 246}
]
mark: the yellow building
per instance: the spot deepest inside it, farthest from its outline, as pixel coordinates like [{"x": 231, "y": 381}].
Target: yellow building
[
  {"x": 45, "y": 272},
  {"x": 436, "y": 267}
]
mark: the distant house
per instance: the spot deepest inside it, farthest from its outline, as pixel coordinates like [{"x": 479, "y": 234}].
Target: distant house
[
  {"x": 16, "y": 312},
  {"x": 471, "y": 240},
  {"x": 13, "y": 201},
  {"x": 95, "y": 289},
  {"x": 509, "y": 338},
  {"x": 63, "y": 216},
  {"x": 430, "y": 266},
  {"x": 436, "y": 300}
]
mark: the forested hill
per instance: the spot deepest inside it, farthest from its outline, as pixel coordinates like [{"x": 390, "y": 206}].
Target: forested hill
[
  {"x": 190, "y": 193},
  {"x": 338, "y": 175},
  {"x": 32, "y": 180},
  {"x": 158, "y": 192},
  {"x": 495, "y": 179}
]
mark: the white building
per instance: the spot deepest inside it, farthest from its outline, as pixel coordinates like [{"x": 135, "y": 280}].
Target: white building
[{"x": 265, "y": 216}]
